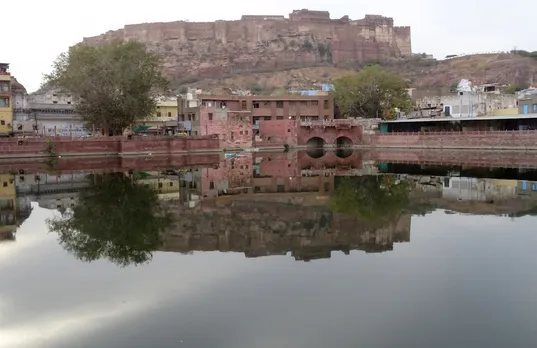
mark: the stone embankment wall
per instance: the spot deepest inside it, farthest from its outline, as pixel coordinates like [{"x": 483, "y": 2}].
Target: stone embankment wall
[
  {"x": 470, "y": 158},
  {"x": 455, "y": 140},
  {"x": 65, "y": 146}
]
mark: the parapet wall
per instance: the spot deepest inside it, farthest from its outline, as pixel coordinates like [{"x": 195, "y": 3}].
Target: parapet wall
[
  {"x": 65, "y": 146},
  {"x": 459, "y": 140}
]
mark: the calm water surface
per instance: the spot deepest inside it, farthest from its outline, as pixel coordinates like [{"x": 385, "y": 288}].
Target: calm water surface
[{"x": 434, "y": 261}]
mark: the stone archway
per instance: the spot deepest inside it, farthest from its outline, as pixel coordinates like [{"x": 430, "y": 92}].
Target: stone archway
[
  {"x": 344, "y": 142},
  {"x": 315, "y": 143}
]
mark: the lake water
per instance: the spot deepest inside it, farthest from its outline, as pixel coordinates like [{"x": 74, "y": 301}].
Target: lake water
[{"x": 391, "y": 256}]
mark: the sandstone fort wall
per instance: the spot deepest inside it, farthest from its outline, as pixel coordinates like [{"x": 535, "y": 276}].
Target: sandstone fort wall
[{"x": 267, "y": 42}]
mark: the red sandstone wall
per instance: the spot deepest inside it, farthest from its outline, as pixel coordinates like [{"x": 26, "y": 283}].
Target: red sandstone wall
[
  {"x": 107, "y": 145},
  {"x": 277, "y": 133},
  {"x": 329, "y": 134},
  {"x": 491, "y": 139}
]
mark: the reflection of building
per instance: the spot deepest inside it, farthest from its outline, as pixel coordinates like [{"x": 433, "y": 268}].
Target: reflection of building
[
  {"x": 13, "y": 211},
  {"x": 51, "y": 191},
  {"x": 474, "y": 189},
  {"x": 246, "y": 174}
]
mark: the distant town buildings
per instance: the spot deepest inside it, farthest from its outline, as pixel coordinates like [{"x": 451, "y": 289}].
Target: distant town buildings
[{"x": 6, "y": 100}]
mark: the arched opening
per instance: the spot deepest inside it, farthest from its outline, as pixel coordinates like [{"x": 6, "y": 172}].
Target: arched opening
[
  {"x": 316, "y": 152},
  {"x": 344, "y": 142},
  {"x": 344, "y": 153},
  {"x": 315, "y": 147},
  {"x": 315, "y": 143}
]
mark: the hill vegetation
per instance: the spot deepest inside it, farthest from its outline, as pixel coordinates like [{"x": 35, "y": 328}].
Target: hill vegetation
[{"x": 518, "y": 69}]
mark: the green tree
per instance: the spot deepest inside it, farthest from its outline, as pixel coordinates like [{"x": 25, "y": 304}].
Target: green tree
[
  {"x": 373, "y": 92},
  {"x": 113, "y": 84},
  {"x": 115, "y": 218},
  {"x": 372, "y": 199},
  {"x": 513, "y": 88}
]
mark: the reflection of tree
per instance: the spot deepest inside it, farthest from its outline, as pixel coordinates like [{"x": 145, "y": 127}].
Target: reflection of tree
[
  {"x": 115, "y": 219},
  {"x": 372, "y": 199}
]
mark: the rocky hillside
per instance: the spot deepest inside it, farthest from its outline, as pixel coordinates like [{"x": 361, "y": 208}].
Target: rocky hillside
[
  {"x": 502, "y": 68},
  {"x": 266, "y": 42}
]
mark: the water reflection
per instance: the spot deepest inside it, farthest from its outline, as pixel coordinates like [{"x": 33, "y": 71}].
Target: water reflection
[
  {"x": 255, "y": 204},
  {"x": 455, "y": 270},
  {"x": 114, "y": 218}
]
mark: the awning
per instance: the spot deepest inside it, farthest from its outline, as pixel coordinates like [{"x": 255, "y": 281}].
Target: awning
[{"x": 140, "y": 128}]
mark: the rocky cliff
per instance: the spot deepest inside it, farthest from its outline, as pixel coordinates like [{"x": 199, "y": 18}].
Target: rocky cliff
[{"x": 257, "y": 43}]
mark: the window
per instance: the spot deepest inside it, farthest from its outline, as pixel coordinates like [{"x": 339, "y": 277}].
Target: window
[
  {"x": 211, "y": 185},
  {"x": 210, "y": 116},
  {"x": 169, "y": 114},
  {"x": 4, "y": 102},
  {"x": 5, "y": 183},
  {"x": 279, "y": 117},
  {"x": 267, "y": 118},
  {"x": 159, "y": 185},
  {"x": 288, "y": 130},
  {"x": 534, "y": 107},
  {"x": 4, "y": 86},
  {"x": 69, "y": 102},
  {"x": 159, "y": 114},
  {"x": 171, "y": 184},
  {"x": 55, "y": 102},
  {"x": 243, "y": 105},
  {"x": 279, "y": 104},
  {"x": 256, "y": 105},
  {"x": 3, "y": 123},
  {"x": 325, "y": 104},
  {"x": 240, "y": 132},
  {"x": 246, "y": 132},
  {"x": 314, "y": 102}
]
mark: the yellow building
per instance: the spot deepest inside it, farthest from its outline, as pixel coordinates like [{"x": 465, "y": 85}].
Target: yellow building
[
  {"x": 6, "y": 100},
  {"x": 8, "y": 206}
]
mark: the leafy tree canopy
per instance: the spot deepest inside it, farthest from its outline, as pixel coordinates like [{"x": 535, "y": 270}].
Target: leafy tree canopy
[
  {"x": 372, "y": 199},
  {"x": 373, "y": 92},
  {"x": 115, "y": 218},
  {"x": 113, "y": 84}
]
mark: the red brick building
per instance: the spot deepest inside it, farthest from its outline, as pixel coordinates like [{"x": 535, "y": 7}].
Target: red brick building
[{"x": 243, "y": 121}]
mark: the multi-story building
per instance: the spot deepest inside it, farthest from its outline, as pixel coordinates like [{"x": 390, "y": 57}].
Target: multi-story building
[
  {"x": 6, "y": 101},
  {"x": 164, "y": 118},
  {"x": 245, "y": 119},
  {"x": 49, "y": 112}
]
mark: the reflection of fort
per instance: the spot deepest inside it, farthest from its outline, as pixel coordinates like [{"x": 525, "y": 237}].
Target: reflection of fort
[
  {"x": 262, "y": 225},
  {"x": 13, "y": 210}
]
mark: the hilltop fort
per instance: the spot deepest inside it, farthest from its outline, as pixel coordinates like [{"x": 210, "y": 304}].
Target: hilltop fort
[{"x": 267, "y": 42}]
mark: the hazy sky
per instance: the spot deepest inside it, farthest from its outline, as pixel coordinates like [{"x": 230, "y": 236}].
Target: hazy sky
[{"x": 37, "y": 31}]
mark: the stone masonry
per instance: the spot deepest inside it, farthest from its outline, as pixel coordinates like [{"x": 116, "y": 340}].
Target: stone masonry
[{"x": 267, "y": 42}]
